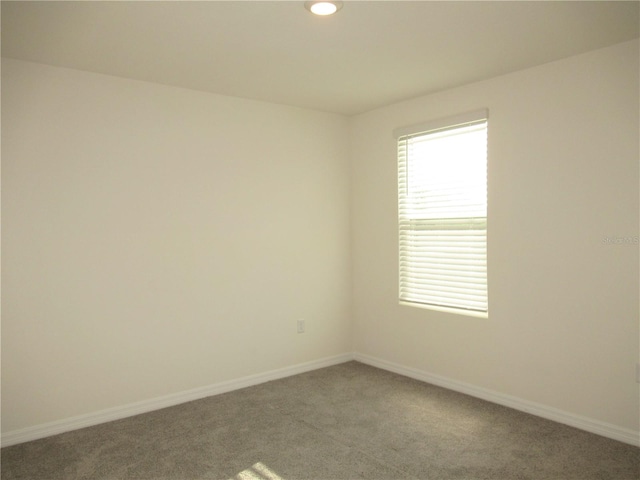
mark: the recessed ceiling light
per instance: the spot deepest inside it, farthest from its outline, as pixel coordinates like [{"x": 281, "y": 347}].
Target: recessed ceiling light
[{"x": 323, "y": 8}]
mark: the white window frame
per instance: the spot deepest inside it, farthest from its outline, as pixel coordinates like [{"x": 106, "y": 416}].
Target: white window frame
[{"x": 435, "y": 242}]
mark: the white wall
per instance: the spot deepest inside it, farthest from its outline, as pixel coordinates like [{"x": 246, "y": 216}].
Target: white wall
[
  {"x": 563, "y": 176},
  {"x": 157, "y": 239}
]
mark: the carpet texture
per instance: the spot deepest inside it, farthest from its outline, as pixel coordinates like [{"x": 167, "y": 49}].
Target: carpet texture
[{"x": 350, "y": 421}]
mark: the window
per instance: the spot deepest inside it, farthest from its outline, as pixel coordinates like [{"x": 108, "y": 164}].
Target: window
[{"x": 442, "y": 213}]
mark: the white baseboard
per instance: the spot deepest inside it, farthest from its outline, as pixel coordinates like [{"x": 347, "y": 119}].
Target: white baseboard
[
  {"x": 116, "y": 413},
  {"x": 583, "y": 423}
]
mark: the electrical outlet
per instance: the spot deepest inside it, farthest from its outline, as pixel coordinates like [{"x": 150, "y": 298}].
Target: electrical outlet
[{"x": 300, "y": 326}]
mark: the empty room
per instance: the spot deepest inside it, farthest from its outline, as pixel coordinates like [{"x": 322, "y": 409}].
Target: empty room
[{"x": 276, "y": 240}]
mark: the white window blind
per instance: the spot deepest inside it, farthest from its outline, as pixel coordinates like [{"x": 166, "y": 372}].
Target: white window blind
[{"x": 442, "y": 189}]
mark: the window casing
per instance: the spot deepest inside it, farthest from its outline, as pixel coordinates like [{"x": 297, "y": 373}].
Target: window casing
[{"x": 442, "y": 214}]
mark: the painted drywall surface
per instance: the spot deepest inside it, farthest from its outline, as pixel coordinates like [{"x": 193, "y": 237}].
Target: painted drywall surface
[
  {"x": 157, "y": 239},
  {"x": 563, "y": 227}
]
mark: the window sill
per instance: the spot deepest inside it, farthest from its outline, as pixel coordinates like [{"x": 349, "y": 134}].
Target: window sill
[{"x": 455, "y": 311}]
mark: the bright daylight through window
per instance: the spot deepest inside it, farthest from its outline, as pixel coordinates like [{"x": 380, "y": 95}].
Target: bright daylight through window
[{"x": 442, "y": 213}]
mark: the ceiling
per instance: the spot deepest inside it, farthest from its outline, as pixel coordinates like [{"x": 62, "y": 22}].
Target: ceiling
[{"x": 370, "y": 54}]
